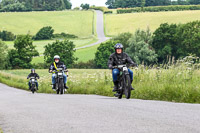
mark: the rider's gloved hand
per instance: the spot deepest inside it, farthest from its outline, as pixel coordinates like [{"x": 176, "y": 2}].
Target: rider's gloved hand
[
  {"x": 110, "y": 66},
  {"x": 134, "y": 65}
]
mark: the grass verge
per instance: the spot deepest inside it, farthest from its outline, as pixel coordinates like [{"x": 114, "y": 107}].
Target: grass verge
[{"x": 176, "y": 84}]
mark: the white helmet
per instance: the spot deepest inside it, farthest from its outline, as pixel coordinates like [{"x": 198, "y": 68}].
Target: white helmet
[{"x": 56, "y": 57}]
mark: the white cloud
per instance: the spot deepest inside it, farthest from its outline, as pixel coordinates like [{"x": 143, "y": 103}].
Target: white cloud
[{"x": 77, "y": 3}]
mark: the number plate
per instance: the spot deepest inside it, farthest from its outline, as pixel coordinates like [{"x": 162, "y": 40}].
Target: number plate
[
  {"x": 125, "y": 68},
  {"x": 60, "y": 74}
]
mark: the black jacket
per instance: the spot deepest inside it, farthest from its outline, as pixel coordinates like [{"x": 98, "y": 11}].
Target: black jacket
[
  {"x": 33, "y": 75},
  {"x": 58, "y": 65},
  {"x": 119, "y": 59}
]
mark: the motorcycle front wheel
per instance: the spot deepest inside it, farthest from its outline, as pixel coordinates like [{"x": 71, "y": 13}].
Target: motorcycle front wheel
[{"x": 127, "y": 86}]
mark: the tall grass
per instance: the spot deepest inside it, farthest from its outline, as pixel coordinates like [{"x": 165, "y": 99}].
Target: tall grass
[{"x": 179, "y": 82}]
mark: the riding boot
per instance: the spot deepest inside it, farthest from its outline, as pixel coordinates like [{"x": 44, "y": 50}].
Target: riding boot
[
  {"x": 131, "y": 85},
  {"x": 54, "y": 86},
  {"x": 65, "y": 86},
  {"x": 115, "y": 87}
]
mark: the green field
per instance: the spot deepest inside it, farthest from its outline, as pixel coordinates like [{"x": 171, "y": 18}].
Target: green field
[
  {"x": 179, "y": 83},
  {"x": 84, "y": 55},
  {"x": 119, "y": 23},
  {"x": 40, "y": 44},
  {"x": 79, "y": 23}
]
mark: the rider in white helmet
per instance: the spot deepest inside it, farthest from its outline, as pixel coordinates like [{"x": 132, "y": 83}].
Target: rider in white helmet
[{"x": 57, "y": 64}]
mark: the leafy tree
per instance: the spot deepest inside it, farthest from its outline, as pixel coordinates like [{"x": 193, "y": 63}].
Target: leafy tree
[
  {"x": 164, "y": 41},
  {"x": 65, "y": 49},
  {"x": 103, "y": 53},
  {"x": 123, "y": 39},
  {"x": 85, "y": 6},
  {"x": 177, "y": 40},
  {"x": 3, "y": 54},
  {"x": 139, "y": 48},
  {"x": 44, "y": 33},
  {"x": 188, "y": 38},
  {"x": 35, "y": 5},
  {"x": 68, "y": 4},
  {"x": 194, "y": 2},
  {"x": 22, "y": 55}
]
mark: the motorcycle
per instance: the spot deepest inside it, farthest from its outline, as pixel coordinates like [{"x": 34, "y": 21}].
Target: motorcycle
[
  {"x": 33, "y": 84},
  {"x": 124, "y": 82},
  {"x": 60, "y": 80}
]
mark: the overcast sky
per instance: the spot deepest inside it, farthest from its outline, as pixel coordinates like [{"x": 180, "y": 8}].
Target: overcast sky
[{"x": 76, "y": 3}]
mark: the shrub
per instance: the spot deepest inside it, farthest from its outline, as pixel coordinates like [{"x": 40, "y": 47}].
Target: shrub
[
  {"x": 103, "y": 53},
  {"x": 7, "y": 36},
  {"x": 22, "y": 55},
  {"x": 3, "y": 54},
  {"x": 64, "y": 35},
  {"x": 44, "y": 33},
  {"x": 101, "y": 8},
  {"x": 85, "y": 65},
  {"x": 108, "y": 12},
  {"x": 159, "y": 8}
]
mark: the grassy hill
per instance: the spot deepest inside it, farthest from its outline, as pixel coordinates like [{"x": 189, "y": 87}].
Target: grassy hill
[
  {"x": 79, "y": 23},
  {"x": 119, "y": 23}
]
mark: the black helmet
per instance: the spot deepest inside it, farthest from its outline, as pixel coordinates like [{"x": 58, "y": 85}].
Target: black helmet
[
  {"x": 119, "y": 46},
  {"x": 33, "y": 70}
]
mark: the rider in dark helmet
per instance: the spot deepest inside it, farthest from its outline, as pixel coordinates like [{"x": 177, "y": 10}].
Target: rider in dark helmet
[
  {"x": 119, "y": 58},
  {"x": 33, "y": 74},
  {"x": 57, "y": 64}
]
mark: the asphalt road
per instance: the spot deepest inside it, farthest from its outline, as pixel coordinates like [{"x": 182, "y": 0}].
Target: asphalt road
[
  {"x": 100, "y": 30},
  {"x": 23, "y": 112}
]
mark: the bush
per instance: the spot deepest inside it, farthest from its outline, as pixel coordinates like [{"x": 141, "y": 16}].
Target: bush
[
  {"x": 103, "y": 53},
  {"x": 101, "y": 8},
  {"x": 85, "y": 65},
  {"x": 159, "y": 8},
  {"x": 22, "y": 55},
  {"x": 85, "y": 6},
  {"x": 3, "y": 54},
  {"x": 7, "y": 36},
  {"x": 177, "y": 40},
  {"x": 108, "y": 12},
  {"x": 123, "y": 39},
  {"x": 76, "y": 8},
  {"x": 64, "y": 36},
  {"x": 44, "y": 33},
  {"x": 139, "y": 48},
  {"x": 15, "y": 7}
]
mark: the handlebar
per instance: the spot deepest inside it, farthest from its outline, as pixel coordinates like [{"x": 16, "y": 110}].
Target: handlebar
[{"x": 120, "y": 66}]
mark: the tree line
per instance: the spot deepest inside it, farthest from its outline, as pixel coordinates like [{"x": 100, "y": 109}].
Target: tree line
[
  {"x": 34, "y": 5},
  {"x": 142, "y": 3}
]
